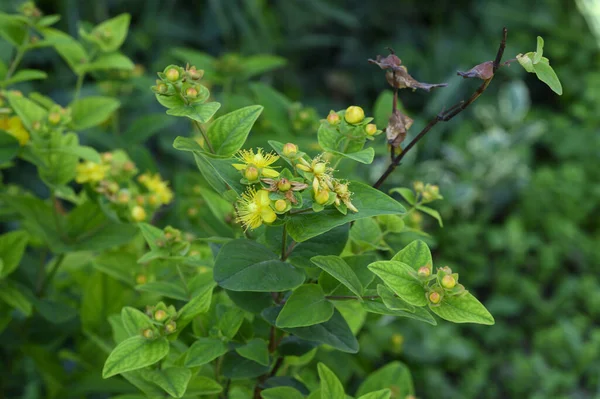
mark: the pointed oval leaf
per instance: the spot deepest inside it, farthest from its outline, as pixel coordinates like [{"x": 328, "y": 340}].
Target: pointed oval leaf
[
  {"x": 305, "y": 307},
  {"x": 546, "y": 74},
  {"x": 341, "y": 271},
  {"x": 331, "y": 387},
  {"x": 228, "y": 133},
  {"x": 257, "y": 350},
  {"x": 204, "y": 350},
  {"x": 415, "y": 254},
  {"x": 402, "y": 280},
  {"x": 463, "y": 309},
  {"x": 134, "y": 353},
  {"x": 173, "y": 380}
]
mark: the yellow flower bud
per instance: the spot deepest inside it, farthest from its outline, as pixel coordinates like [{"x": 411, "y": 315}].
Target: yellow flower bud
[
  {"x": 148, "y": 333},
  {"x": 268, "y": 216},
  {"x": 354, "y": 114},
  {"x": 290, "y": 149},
  {"x": 170, "y": 327},
  {"x": 448, "y": 282},
  {"x": 172, "y": 74},
  {"x": 322, "y": 197},
  {"x": 54, "y": 118},
  {"x": 160, "y": 315},
  {"x": 435, "y": 298},
  {"x": 303, "y": 167},
  {"x": 138, "y": 213},
  {"x": 424, "y": 271},
  {"x": 371, "y": 129},
  {"x": 284, "y": 185},
  {"x": 191, "y": 92},
  {"x": 280, "y": 205},
  {"x": 333, "y": 118}
]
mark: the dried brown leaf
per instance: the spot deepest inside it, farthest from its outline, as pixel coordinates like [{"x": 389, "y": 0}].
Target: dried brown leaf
[
  {"x": 397, "y": 127},
  {"x": 482, "y": 71}
]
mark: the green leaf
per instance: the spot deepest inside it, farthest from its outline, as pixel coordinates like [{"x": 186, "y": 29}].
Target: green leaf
[
  {"x": 230, "y": 322},
  {"x": 174, "y": 380},
  {"x": 394, "y": 376},
  {"x": 364, "y": 156},
  {"x": 256, "y": 349},
  {"x": 381, "y": 394},
  {"x": 331, "y": 387},
  {"x": 111, "y": 33},
  {"x": 244, "y": 265},
  {"x": 69, "y": 49},
  {"x": 12, "y": 294},
  {"x": 369, "y": 202},
  {"x": 282, "y": 392},
  {"x": 27, "y": 110},
  {"x": 228, "y": 133},
  {"x": 24, "y": 75},
  {"x": 253, "y": 302},
  {"x": 53, "y": 311},
  {"x": 164, "y": 288},
  {"x": 200, "y": 385},
  {"x": 107, "y": 62},
  {"x": 9, "y": 147},
  {"x": 539, "y": 51},
  {"x": 219, "y": 173},
  {"x": 92, "y": 111},
  {"x": 145, "y": 127},
  {"x": 13, "y": 28},
  {"x": 463, "y": 309},
  {"x": 357, "y": 263},
  {"x": 546, "y": 74},
  {"x": 135, "y": 321},
  {"x": 406, "y": 193},
  {"x": 196, "y": 112},
  {"x": 170, "y": 101},
  {"x": 259, "y": 64},
  {"x": 402, "y": 279},
  {"x": 238, "y": 368},
  {"x": 204, "y": 350},
  {"x": 415, "y": 254},
  {"x": 12, "y": 248},
  {"x": 431, "y": 212},
  {"x": 420, "y": 314},
  {"x": 305, "y": 307},
  {"x": 391, "y": 301},
  {"x": 334, "y": 332},
  {"x": 134, "y": 353},
  {"x": 366, "y": 235},
  {"x": 339, "y": 269},
  {"x": 334, "y": 245},
  {"x": 200, "y": 303}
]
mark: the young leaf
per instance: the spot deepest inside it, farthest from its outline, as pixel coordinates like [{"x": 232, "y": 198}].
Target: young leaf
[
  {"x": 392, "y": 301},
  {"x": 406, "y": 193},
  {"x": 420, "y": 314},
  {"x": 228, "y": 133},
  {"x": 174, "y": 380},
  {"x": 111, "y": 33},
  {"x": 339, "y": 269},
  {"x": 463, "y": 309},
  {"x": 134, "y": 353},
  {"x": 244, "y": 265},
  {"x": 204, "y": 350},
  {"x": 331, "y": 387},
  {"x": 134, "y": 321},
  {"x": 28, "y": 111},
  {"x": 399, "y": 277},
  {"x": 415, "y": 254},
  {"x": 381, "y": 394},
  {"x": 257, "y": 350},
  {"x": 282, "y": 392},
  {"x": 305, "y": 307},
  {"x": 12, "y": 247},
  {"x": 164, "y": 288},
  {"x": 200, "y": 303},
  {"x": 92, "y": 111},
  {"x": 69, "y": 49},
  {"x": 394, "y": 376},
  {"x": 431, "y": 212},
  {"x": 107, "y": 62},
  {"x": 539, "y": 51},
  {"x": 200, "y": 385},
  {"x": 196, "y": 112},
  {"x": 230, "y": 322},
  {"x": 369, "y": 202},
  {"x": 546, "y": 74},
  {"x": 24, "y": 75}
]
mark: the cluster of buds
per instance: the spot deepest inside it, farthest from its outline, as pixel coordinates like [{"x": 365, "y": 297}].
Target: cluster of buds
[
  {"x": 427, "y": 192},
  {"x": 326, "y": 189},
  {"x": 184, "y": 83},
  {"x": 352, "y": 123},
  {"x": 114, "y": 180},
  {"x": 163, "y": 319},
  {"x": 285, "y": 191},
  {"x": 173, "y": 241},
  {"x": 445, "y": 284},
  {"x": 30, "y": 10},
  {"x": 304, "y": 119},
  {"x": 58, "y": 119}
]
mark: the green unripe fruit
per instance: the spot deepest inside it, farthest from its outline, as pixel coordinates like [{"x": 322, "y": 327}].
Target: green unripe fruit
[
  {"x": 333, "y": 118},
  {"x": 448, "y": 282},
  {"x": 148, "y": 333},
  {"x": 160, "y": 315},
  {"x": 319, "y": 168},
  {"x": 424, "y": 271},
  {"x": 172, "y": 75},
  {"x": 284, "y": 185},
  {"x": 280, "y": 205},
  {"x": 191, "y": 92},
  {"x": 371, "y": 129},
  {"x": 435, "y": 298},
  {"x": 322, "y": 197}
]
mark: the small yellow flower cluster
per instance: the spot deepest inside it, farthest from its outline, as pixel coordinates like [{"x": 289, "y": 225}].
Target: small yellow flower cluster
[
  {"x": 13, "y": 126},
  {"x": 113, "y": 179}
]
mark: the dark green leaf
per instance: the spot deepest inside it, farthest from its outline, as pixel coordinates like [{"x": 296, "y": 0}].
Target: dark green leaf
[
  {"x": 12, "y": 247},
  {"x": 228, "y": 133},
  {"x": 256, "y": 349},
  {"x": 305, "y": 307},
  {"x": 204, "y": 350},
  {"x": 339, "y": 269}
]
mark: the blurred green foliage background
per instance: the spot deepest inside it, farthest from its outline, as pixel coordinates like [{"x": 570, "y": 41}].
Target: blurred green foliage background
[{"x": 519, "y": 170}]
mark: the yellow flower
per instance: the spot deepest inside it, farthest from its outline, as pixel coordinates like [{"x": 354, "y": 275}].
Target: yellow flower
[
  {"x": 15, "y": 128},
  {"x": 138, "y": 213},
  {"x": 90, "y": 172},
  {"x": 261, "y": 160},
  {"x": 157, "y": 186},
  {"x": 254, "y": 208}
]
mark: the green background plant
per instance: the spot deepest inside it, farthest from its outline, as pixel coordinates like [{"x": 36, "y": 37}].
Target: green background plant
[{"x": 520, "y": 184}]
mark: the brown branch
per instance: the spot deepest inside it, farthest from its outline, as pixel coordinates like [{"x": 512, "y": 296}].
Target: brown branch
[{"x": 445, "y": 116}]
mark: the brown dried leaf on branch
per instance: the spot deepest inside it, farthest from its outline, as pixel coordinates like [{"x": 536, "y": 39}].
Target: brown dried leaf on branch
[
  {"x": 482, "y": 71},
  {"x": 397, "y": 75},
  {"x": 397, "y": 127}
]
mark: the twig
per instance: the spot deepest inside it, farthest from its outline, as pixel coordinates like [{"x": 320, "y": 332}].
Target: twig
[
  {"x": 50, "y": 275},
  {"x": 445, "y": 116}
]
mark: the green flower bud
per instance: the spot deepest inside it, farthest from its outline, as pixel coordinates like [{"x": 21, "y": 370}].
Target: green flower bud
[
  {"x": 172, "y": 74},
  {"x": 148, "y": 333},
  {"x": 435, "y": 297},
  {"x": 333, "y": 118},
  {"x": 280, "y": 205},
  {"x": 284, "y": 185},
  {"x": 371, "y": 129},
  {"x": 448, "y": 282},
  {"x": 54, "y": 118},
  {"x": 290, "y": 149},
  {"x": 170, "y": 327},
  {"x": 191, "y": 92},
  {"x": 160, "y": 315},
  {"x": 251, "y": 173},
  {"x": 424, "y": 271},
  {"x": 354, "y": 114}
]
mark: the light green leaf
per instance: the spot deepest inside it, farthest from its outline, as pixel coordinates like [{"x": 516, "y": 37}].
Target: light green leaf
[
  {"x": 69, "y": 49},
  {"x": 364, "y": 156},
  {"x": 24, "y": 75},
  {"x": 12, "y": 248},
  {"x": 369, "y": 202},
  {"x": 402, "y": 279},
  {"x": 431, "y": 212},
  {"x": 339, "y": 269},
  {"x": 257, "y": 350},
  {"x": 111, "y": 33},
  {"x": 420, "y": 314},
  {"x": 200, "y": 385},
  {"x": 112, "y": 61},
  {"x": 381, "y": 394},
  {"x": 394, "y": 376},
  {"x": 196, "y": 112},
  {"x": 135, "y": 353},
  {"x": 204, "y": 350},
  {"x": 546, "y": 74},
  {"x": 391, "y": 301},
  {"x": 228, "y": 133},
  {"x": 12, "y": 294},
  {"x": 134, "y": 321},
  {"x": 463, "y": 309},
  {"x": 539, "y": 51},
  {"x": 174, "y": 380},
  {"x": 331, "y": 387},
  {"x": 230, "y": 322},
  {"x": 305, "y": 307},
  {"x": 27, "y": 110},
  {"x": 164, "y": 288},
  {"x": 415, "y": 254},
  {"x": 200, "y": 303},
  {"x": 244, "y": 265},
  {"x": 282, "y": 392},
  {"x": 406, "y": 193},
  {"x": 92, "y": 111}
]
